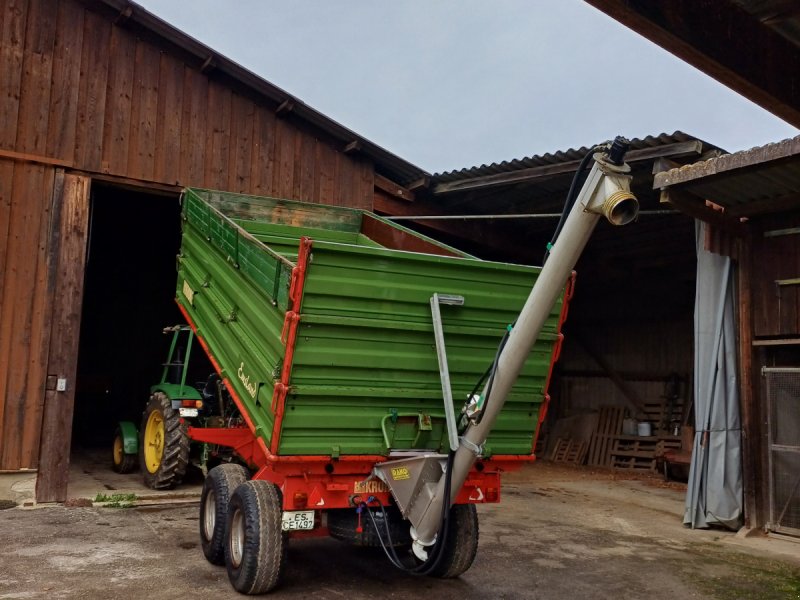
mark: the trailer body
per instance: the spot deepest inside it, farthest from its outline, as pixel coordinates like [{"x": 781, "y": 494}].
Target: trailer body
[{"x": 318, "y": 319}]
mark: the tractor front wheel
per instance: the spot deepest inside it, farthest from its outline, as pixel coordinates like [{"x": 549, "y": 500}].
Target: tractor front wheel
[
  {"x": 121, "y": 462},
  {"x": 218, "y": 487},
  {"x": 255, "y": 552},
  {"x": 164, "y": 444}
]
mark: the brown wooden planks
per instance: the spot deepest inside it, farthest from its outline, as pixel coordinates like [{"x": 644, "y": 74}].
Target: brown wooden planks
[
  {"x": 6, "y": 185},
  {"x": 263, "y": 156},
  {"x": 218, "y": 118},
  {"x": 241, "y": 146},
  {"x": 304, "y": 168},
  {"x": 326, "y": 173},
  {"x": 193, "y": 128},
  {"x": 37, "y": 70},
  {"x": 117, "y": 123},
  {"x": 168, "y": 123},
  {"x": 141, "y": 156},
  {"x": 51, "y": 483},
  {"x": 92, "y": 92},
  {"x": 21, "y": 313},
  {"x": 283, "y": 176},
  {"x": 12, "y": 40},
  {"x": 62, "y": 124},
  {"x": 39, "y": 330}
]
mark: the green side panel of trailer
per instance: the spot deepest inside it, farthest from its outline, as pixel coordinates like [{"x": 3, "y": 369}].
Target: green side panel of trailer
[{"x": 364, "y": 375}]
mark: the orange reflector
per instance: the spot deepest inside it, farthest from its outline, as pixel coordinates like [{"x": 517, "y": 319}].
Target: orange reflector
[{"x": 300, "y": 499}]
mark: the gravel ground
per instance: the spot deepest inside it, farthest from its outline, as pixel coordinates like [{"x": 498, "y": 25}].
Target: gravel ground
[{"x": 558, "y": 533}]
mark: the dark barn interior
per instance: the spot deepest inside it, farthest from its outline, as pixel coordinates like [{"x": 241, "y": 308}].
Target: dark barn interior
[{"x": 128, "y": 299}]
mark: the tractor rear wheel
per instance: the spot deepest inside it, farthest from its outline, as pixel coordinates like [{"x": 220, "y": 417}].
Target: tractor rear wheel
[
  {"x": 120, "y": 461},
  {"x": 164, "y": 444},
  {"x": 255, "y": 552},
  {"x": 220, "y": 483},
  {"x": 461, "y": 544}
]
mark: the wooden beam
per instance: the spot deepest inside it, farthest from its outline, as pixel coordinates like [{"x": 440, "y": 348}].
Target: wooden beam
[
  {"x": 65, "y": 282},
  {"x": 393, "y": 189},
  {"x": 353, "y": 147},
  {"x": 694, "y": 206},
  {"x": 751, "y": 428},
  {"x": 724, "y": 41},
  {"x": 209, "y": 64},
  {"x": 419, "y": 184},
  {"x": 676, "y": 150},
  {"x": 35, "y": 158},
  {"x": 285, "y": 108}
]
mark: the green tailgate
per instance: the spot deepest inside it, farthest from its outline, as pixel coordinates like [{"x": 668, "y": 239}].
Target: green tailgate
[{"x": 364, "y": 373}]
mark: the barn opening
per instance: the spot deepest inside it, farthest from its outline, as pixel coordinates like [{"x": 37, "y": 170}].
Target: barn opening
[{"x": 134, "y": 238}]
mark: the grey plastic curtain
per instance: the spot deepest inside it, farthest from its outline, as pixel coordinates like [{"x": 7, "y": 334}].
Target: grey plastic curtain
[{"x": 714, "y": 495}]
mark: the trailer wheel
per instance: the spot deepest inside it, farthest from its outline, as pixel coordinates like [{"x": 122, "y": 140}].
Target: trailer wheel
[
  {"x": 461, "y": 545},
  {"x": 120, "y": 461},
  {"x": 164, "y": 445},
  {"x": 220, "y": 483},
  {"x": 255, "y": 552}
]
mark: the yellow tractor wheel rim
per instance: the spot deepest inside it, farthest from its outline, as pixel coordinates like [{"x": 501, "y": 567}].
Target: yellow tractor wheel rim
[
  {"x": 154, "y": 441},
  {"x": 118, "y": 450}
]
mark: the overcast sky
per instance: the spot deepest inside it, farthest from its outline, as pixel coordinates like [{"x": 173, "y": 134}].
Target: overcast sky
[{"x": 447, "y": 84}]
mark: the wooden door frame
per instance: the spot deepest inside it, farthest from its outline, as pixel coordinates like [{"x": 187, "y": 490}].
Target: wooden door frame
[{"x": 66, "y": 270}]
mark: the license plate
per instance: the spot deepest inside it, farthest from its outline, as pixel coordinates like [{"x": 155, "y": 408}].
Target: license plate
[
  {"x": 294, "y": 520},
  {"x": 187, "y": 412}
]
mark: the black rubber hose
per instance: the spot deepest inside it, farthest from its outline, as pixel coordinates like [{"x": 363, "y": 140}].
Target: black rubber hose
[{"x": 572, "y": 195}]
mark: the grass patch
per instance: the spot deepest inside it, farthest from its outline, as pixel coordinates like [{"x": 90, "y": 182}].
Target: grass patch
[
  {"x": 736, "y": 576},
  {"x": 116, "y": 500}
]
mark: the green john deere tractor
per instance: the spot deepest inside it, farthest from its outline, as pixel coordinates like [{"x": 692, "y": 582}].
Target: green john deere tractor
[{"x": 161, "y": 446}]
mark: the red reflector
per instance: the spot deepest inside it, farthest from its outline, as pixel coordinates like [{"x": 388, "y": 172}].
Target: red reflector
[
  {"x": 492, "y": 494},
  {"x": 187, "y": 403},
  {"x": 300, "y": 499}
]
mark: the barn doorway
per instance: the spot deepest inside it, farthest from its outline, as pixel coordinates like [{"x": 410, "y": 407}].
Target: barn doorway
[{"x": 129, "y": 286}]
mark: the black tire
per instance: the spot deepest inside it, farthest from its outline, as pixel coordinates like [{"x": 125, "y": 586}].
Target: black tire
[
  {"x": 255, "y": 549},
  {"x": 218, "y": 487},
  {"x": 120, "y": 461},
  {"x": 343, "y": 522},
  {"x": 461, "y": 544},
  {"x": 165, "y": 468}
]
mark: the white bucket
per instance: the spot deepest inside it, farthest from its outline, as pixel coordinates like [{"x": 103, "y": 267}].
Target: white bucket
[{"x": 645, "y": 428}]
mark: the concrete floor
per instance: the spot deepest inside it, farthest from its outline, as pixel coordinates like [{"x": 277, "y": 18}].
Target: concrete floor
[{"x": 558, "y": 533}]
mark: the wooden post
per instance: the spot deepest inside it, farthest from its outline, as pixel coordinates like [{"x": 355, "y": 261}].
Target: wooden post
[
  {"x": 751, "y": 432},
  {"x": 67, "y": 257}
]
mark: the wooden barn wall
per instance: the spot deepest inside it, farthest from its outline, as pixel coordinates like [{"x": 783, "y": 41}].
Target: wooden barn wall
[
  {"x": 81, "y": 93},
  {"x": 25, "y": 208},
  {"x": 776, "y": 309},
  {"x": 585, "y": 385}
]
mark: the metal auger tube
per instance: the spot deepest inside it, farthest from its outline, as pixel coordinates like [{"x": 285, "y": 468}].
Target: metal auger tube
[{"x": 606, "y": 192}]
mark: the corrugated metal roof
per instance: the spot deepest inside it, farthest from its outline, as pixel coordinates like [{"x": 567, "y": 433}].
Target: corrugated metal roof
[
  {"x": 746, "y": 183},
  {"x": 562, "y": 156}
]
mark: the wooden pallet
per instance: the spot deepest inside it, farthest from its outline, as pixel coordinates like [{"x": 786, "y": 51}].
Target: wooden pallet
[
  {"x": 569, "y": 451},
  {"x": 634, "y": 452},
  {"x": 609, "y": 426}
]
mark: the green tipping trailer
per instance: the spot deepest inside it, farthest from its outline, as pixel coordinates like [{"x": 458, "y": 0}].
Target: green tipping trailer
[
  {"x": 345, "y": 348},
  {"x": 319, "y": 319}
]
